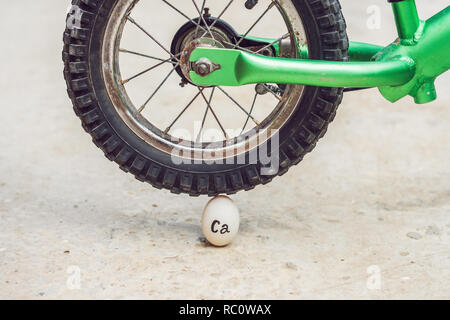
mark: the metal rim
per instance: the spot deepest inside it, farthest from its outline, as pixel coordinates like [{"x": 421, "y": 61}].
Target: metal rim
[{"x": 193, "y": 150}]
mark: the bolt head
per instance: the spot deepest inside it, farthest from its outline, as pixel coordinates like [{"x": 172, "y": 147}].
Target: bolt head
[
  {"x": 202, "y": 69},
  {"x": 260, "y": 89}
]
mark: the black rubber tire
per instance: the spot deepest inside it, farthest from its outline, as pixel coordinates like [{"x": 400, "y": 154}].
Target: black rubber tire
[{"x": 327, "y": 40}]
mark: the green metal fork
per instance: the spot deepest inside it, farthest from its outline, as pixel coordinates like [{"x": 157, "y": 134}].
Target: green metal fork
[{"x": 408, "y": 66}]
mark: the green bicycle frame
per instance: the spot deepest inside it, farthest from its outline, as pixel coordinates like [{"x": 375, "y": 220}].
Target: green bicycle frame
[{"x": 408, "y": 66}]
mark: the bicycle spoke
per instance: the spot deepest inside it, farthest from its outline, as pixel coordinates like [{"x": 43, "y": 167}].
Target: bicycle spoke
[
  {"x": 203, "y": 19},
  {"x": 146, "y": 56},
  {"x": 184, "y": 15},
  {"x": 238, "y": 47},
  {"x": 219, "y": 16},
  {"x": 240, "y": 107},
  {"x": 251, "y": 110},
  {"x": 146, "y": 70},
  {"x": 271, "y": 5},
  {"x": 203, "y": 8},
  {"x": 271, "y": 91},
  {"x": 241, "y": 48},
  {"x": 204, "y": 116},
  {"x": 157, "y": 89},
  {"x": 182, "y": 112},
  {"x": 213, "y": 113},
  {"x": 151, "y": 37},
  {"x": 273, "y": 42}
]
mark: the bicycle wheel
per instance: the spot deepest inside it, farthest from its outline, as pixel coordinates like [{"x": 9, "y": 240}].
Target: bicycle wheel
[{"x": 127, "y": 70}]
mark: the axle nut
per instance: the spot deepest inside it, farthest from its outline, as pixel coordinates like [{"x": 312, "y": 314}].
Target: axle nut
[
  {"x": 201, "y": 69},
  {"x": 204, "y": 67}
]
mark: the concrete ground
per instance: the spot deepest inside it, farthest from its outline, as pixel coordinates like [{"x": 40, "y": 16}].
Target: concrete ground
[{"x": 365, "y": 216}]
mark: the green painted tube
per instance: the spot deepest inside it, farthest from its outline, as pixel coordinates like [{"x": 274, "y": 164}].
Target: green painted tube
[
  {"x": 359, "y": 51},
  {"x": 406, "y": 18},
  {"x": 240, "y": 68}
]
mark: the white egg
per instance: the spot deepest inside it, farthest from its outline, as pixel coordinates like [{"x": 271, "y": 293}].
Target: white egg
[{"x": 220, "y": 221}]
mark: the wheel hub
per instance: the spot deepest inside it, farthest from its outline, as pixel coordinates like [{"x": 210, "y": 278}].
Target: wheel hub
[
  {"x": 190, "y": 36},
  {"x": 203, "y": 67}
]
